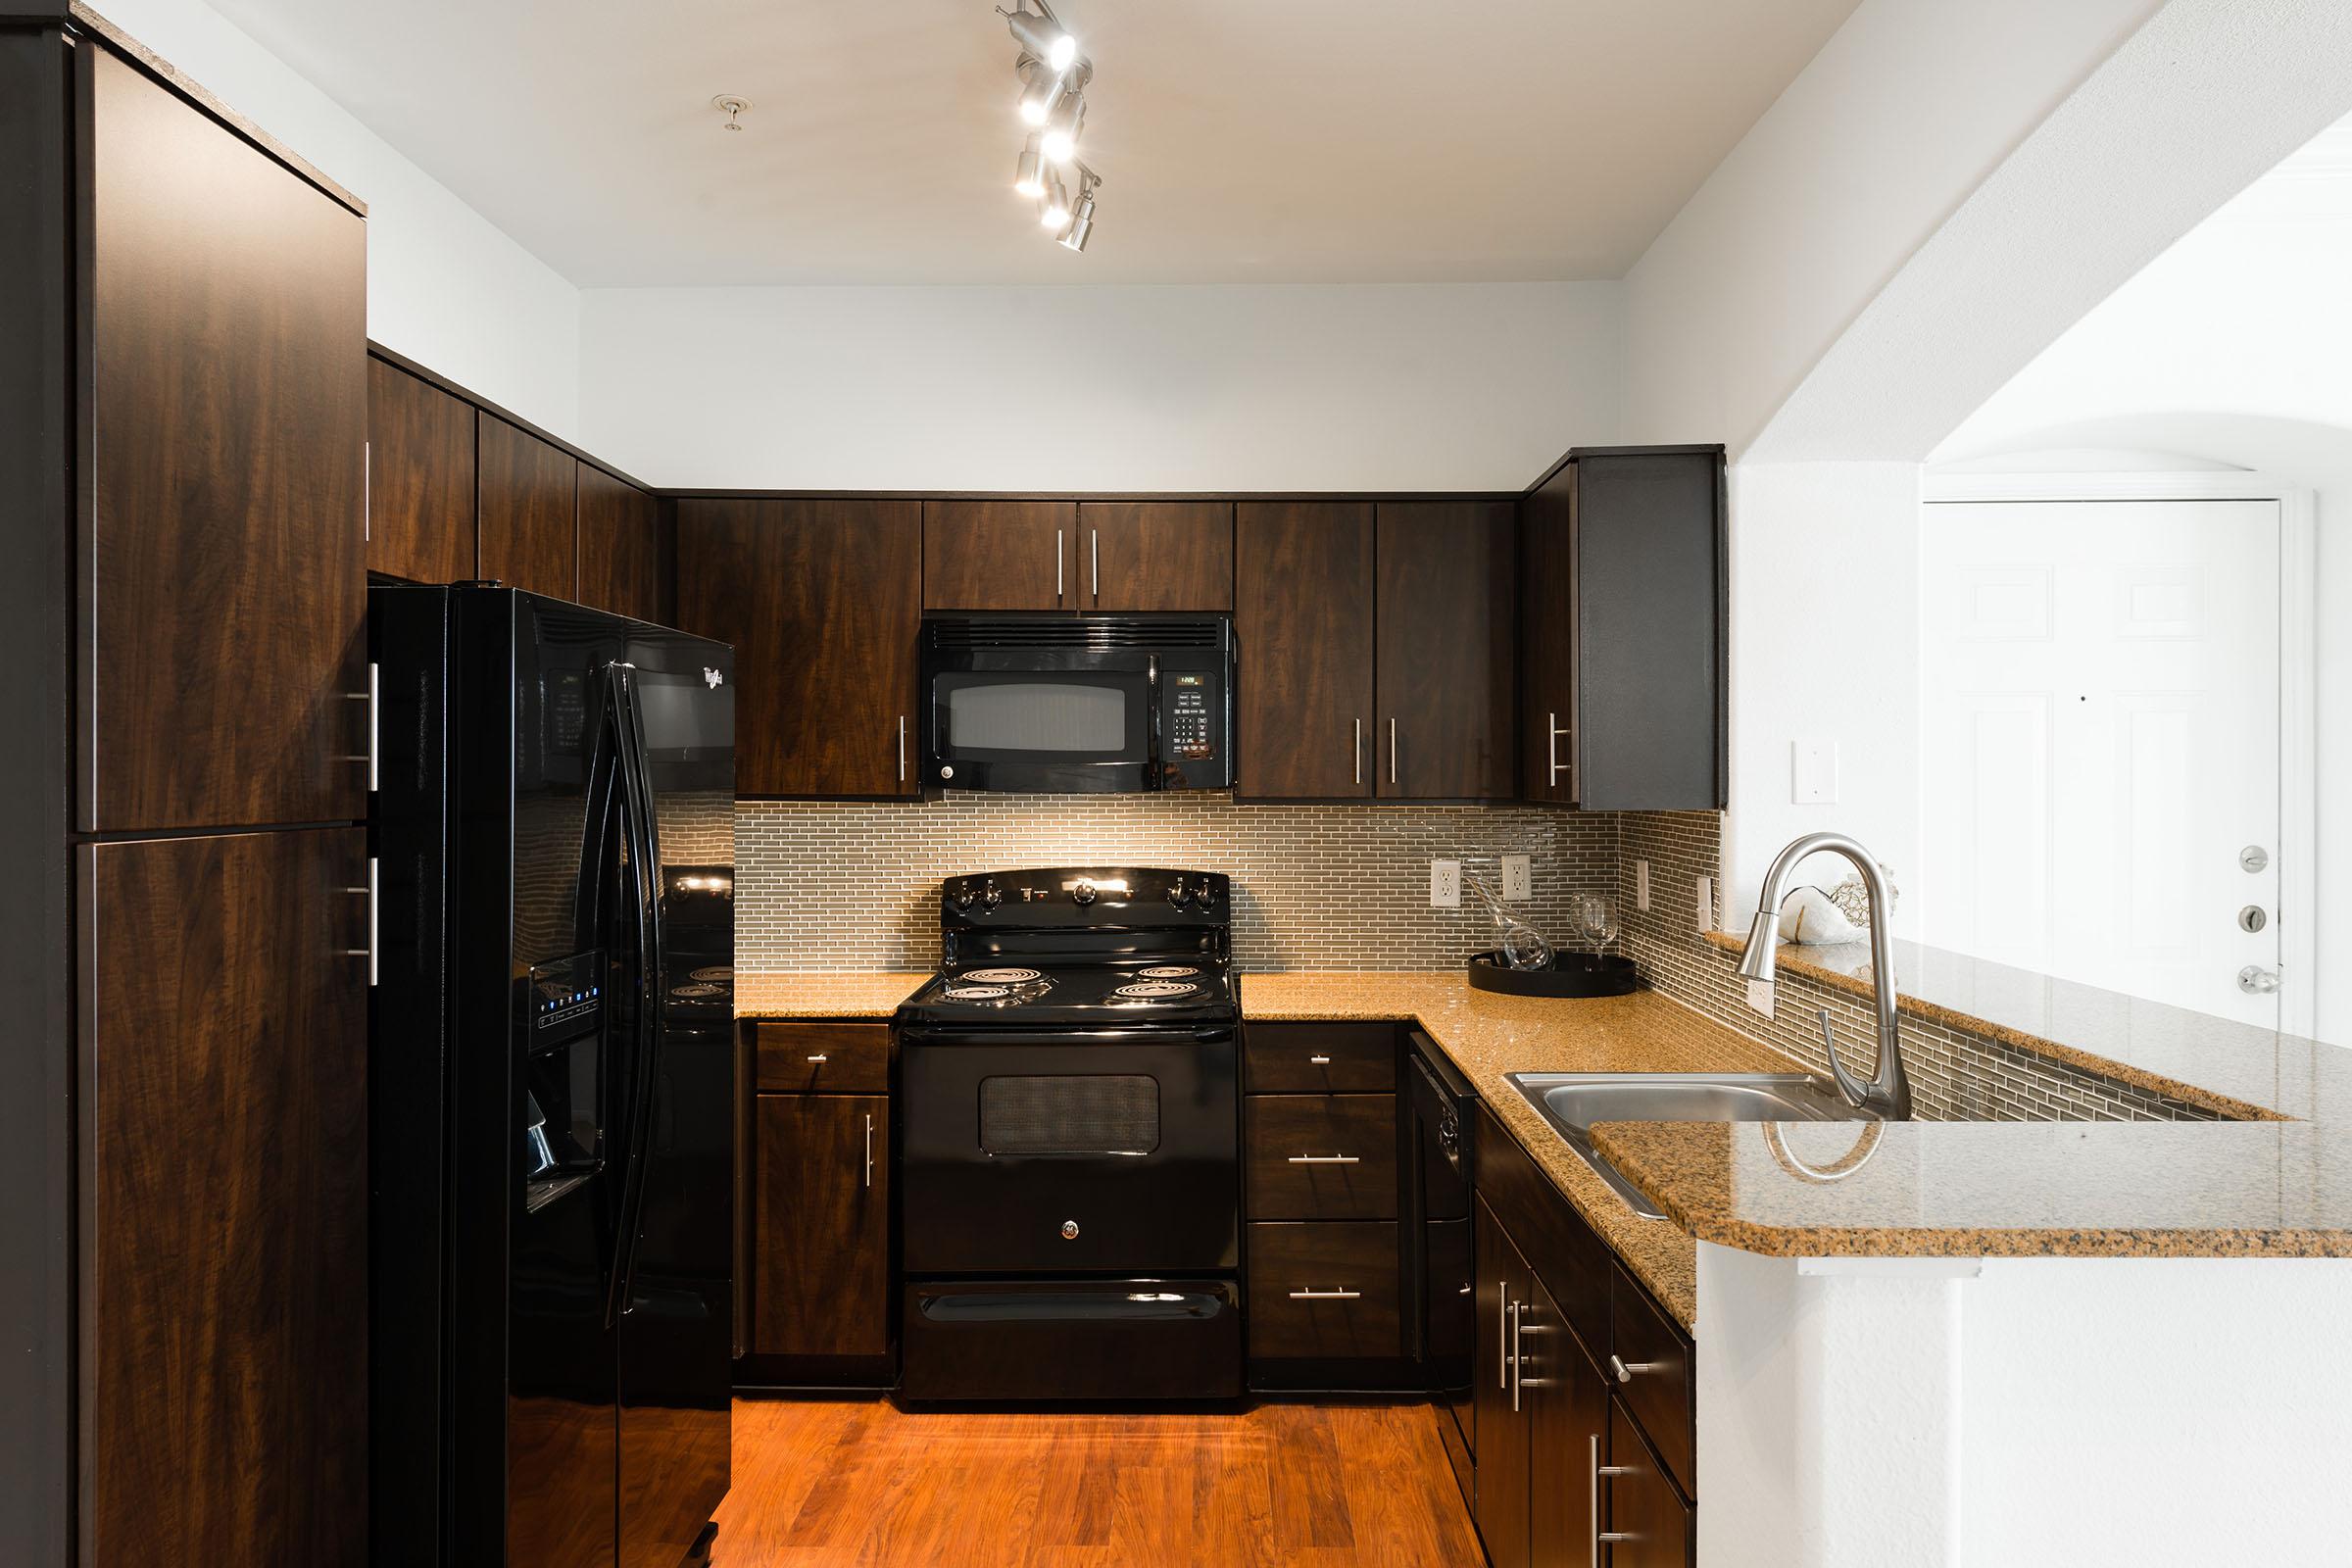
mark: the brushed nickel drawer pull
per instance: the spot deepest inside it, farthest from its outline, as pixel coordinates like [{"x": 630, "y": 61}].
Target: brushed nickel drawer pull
[
  {"x": 1319, "y": 1061},
  {"x": 1326, "y": 1296},
  {"x": 820, "y": 1057},
  {"x": 1625, "y": 1370},
  {"x": 1326, "y": 1159}
]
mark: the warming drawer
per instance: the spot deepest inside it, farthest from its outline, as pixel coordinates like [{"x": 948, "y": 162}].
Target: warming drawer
[{"x": 1033, "y": 1339}]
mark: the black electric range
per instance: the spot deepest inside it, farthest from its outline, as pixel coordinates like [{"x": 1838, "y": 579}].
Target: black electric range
[{"x": 1069, "y": 1141}]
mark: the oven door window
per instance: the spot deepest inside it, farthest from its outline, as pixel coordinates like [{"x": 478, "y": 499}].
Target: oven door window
[
  {"x": 1092, "y": 1115},
  {"x": 1058, "y": 716}
]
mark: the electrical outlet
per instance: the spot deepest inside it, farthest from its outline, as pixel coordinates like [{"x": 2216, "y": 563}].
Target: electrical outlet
[
  {"x": 1445, "y": 884},
  {"x": 1642, "y": 886},
  {"x": 1706, "y": 903},
  {"x": 1518, "y": 880}
]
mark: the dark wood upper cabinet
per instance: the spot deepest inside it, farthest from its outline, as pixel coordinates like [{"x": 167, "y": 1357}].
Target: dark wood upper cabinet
[
  {"x": 1447, "y": 656},
  {"x": 1155, "y": 555},
  {"x": 620, "y": 548},
  {"x": 224, "y": 425},
  {"x": 822, "y": 602},
  {"x": 1622, "y": 597},
  {"x": 420, "y": 478},
  {"x": 225, "y": 1184},
  {"x": 820, "y": 1276},
  {"x": 1302, "y": 587},
  {"x": 1001, "y": 555},
  {"x": 528, "y": 491}
]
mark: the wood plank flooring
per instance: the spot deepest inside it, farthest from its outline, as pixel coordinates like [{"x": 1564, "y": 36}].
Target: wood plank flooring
[{"x": 821, "y": 1483}]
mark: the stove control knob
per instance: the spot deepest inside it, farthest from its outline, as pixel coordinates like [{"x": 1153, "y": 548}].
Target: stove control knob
[
  {"x": 1082, "y": 893},
  {"x": 990, "y": 894},
  {"x": 1204, "y": 894},
  {"x": 1070, "y": 1230},
  {"x": 964, "y": 894},
  {"x": 1177, "y": 893}
]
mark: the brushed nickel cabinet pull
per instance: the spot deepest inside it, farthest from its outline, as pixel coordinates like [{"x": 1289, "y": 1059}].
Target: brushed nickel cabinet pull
[
  {"x": 869, "y": 1148},
  {"x": 819, "y": 1058},
  {"x": 1355, "y": 750},
  {"x": 1326, "y": 1159},
  {"x": 902, "y": 748},
  {"x": 1319, "y": 1061},
  {"x": 1059, "y": 592},
  {"x": 1392, "y": 751},
  {"x": 1597, "y": 1471},
  {"x": 1503, "y": 1331},
  {"x": 1327, "y": 1296},
  {"x": 1093, "y": 550},
  {"x": 368, "y": 892},
  {"x": 1625, "y": 1370},
  {"x": 1517, "y": 1308}
]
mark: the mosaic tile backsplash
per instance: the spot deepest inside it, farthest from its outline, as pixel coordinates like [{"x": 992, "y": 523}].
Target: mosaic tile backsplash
[
  {"x": 851, "y": 886},
  {"x": 1954, "y": 1076}
]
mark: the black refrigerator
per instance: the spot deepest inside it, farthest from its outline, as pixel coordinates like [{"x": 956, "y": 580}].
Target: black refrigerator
[{"x": 552, "y": 1084}]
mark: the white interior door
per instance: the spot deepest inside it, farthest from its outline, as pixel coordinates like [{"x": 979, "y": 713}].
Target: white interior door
[{"x": 2101, "y": 727}]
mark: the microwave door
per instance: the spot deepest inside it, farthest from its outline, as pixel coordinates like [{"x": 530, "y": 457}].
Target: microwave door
[{"x": 1058, "y": 731}]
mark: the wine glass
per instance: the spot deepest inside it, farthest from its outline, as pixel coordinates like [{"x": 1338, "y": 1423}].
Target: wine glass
[{"x": 1597, "y": 913}]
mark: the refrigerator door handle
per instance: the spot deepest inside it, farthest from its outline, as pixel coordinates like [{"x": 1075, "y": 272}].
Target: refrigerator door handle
[{"x": 644, "y": 852}]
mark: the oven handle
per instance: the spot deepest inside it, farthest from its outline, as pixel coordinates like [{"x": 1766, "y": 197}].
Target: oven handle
[
  {"x": 951, "y": 1035},
  {"x": 1152, "y": 745}
]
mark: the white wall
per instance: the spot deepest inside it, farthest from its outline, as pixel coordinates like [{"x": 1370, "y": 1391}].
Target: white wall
[
  {"x": 1900, "y": 117},
  {"x": 445, "y": 287},
  {"x": 1825, "y": 569},
  {"x": 2151, "y": 1412},
  {"x": 1325, "y": 387}
]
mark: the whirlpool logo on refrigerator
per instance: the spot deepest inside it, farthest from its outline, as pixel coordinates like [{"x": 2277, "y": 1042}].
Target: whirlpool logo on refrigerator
[{"x": 712, "y": 678}]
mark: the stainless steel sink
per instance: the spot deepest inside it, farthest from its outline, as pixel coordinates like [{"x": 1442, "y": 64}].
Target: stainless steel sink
[{"x": 1572, "y": 1101}]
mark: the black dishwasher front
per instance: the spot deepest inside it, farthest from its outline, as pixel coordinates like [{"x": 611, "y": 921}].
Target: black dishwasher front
[{"x": 1441, "y": 1313}]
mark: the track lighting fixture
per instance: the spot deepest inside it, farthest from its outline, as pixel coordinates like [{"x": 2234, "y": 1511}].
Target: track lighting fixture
[
  {"x": 1053, "y": 80},
  {"x": 1042, "y": 34}
]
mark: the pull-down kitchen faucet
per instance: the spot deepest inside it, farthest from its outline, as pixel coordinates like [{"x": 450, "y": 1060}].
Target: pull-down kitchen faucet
[{"x": 1888, "y": 1092}]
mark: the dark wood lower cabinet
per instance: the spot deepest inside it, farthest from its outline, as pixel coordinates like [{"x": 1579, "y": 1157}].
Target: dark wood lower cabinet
[
  {"x": 820, "y": 1267},
  {"x": 1324, "y": 1289},
  {"x": 225, "y": 1171},
  {"x": 1649, "y": 1526},
  {"x": 1567, "y": 1408},
  {"x": 1504, "y": 1438},
  {"x": 1320, "y": 1157}
]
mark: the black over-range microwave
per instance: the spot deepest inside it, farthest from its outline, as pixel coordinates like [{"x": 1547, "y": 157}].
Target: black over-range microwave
[{"x": 1055, "y": 703}]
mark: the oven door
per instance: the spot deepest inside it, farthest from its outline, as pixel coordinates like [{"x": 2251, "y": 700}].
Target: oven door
[
  {"x": 1081, "y": 729},
  {"x": 1070, "y": 1152}
]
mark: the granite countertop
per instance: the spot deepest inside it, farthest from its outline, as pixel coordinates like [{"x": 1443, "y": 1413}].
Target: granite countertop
[
  {"x": 2238, "y": 1069},
  {"x": 845, "y": 994},
  {"x": 1955, "y": 1189},
  {"x": 2267, "y": 1187}
]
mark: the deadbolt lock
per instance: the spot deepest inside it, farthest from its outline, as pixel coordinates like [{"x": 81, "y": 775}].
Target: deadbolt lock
[{"x": 2252, "y": 917}]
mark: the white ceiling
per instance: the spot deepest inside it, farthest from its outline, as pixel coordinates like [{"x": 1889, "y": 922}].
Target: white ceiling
[{"x": 1237, "y": 140}]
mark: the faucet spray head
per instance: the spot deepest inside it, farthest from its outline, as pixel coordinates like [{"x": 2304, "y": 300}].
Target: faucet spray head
[{"x": 1763, "y": 938}]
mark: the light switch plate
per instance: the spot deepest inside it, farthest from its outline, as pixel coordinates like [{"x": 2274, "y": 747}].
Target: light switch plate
[
  {"x": 1642, "y": 886},
  {"x": 1518, "y": 881},
  {"x": 1813, "y": 772},
  {"x": 1445, "y": 884}
]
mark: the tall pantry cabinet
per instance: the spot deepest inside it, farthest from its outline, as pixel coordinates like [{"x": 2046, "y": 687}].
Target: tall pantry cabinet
[{"x": 184, "y": 960}]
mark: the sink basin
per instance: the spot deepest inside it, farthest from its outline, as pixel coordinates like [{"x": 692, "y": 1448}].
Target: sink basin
[{"x": 1572, "y": 1101}]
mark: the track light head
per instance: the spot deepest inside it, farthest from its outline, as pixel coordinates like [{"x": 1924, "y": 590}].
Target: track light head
[
  {"x": 1060, "y": 143},
  {"x": 1041, "y": 85},
  {"x": 1081, "y": 224},
  {"x": 1028, "y": 176},
  {"x": 1041, "y": 35},
  {"x": 1054, "y": 207}
]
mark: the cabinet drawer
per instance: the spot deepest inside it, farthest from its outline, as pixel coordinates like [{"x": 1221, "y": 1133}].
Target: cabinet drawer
[
  {"x": 1323, "y": 1290},
  {"x": 1322, "y": 1156},
  {"x": 1651, "y": 1526},
  {"x": 1320, "y": 1059},
  {"x": 847, "y": 1058},
  {"x": 1649, "y": 1366}
]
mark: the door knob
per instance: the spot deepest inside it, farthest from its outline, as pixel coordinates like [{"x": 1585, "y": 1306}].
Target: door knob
[{"x": 2256, "y": 981}]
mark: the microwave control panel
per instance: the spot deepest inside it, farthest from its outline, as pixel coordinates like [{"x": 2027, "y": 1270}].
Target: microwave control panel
[{"x": 1192, "y": 727}]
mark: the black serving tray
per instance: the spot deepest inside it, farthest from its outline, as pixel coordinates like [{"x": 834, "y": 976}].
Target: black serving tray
[{"x": 1572, "y": 974}]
